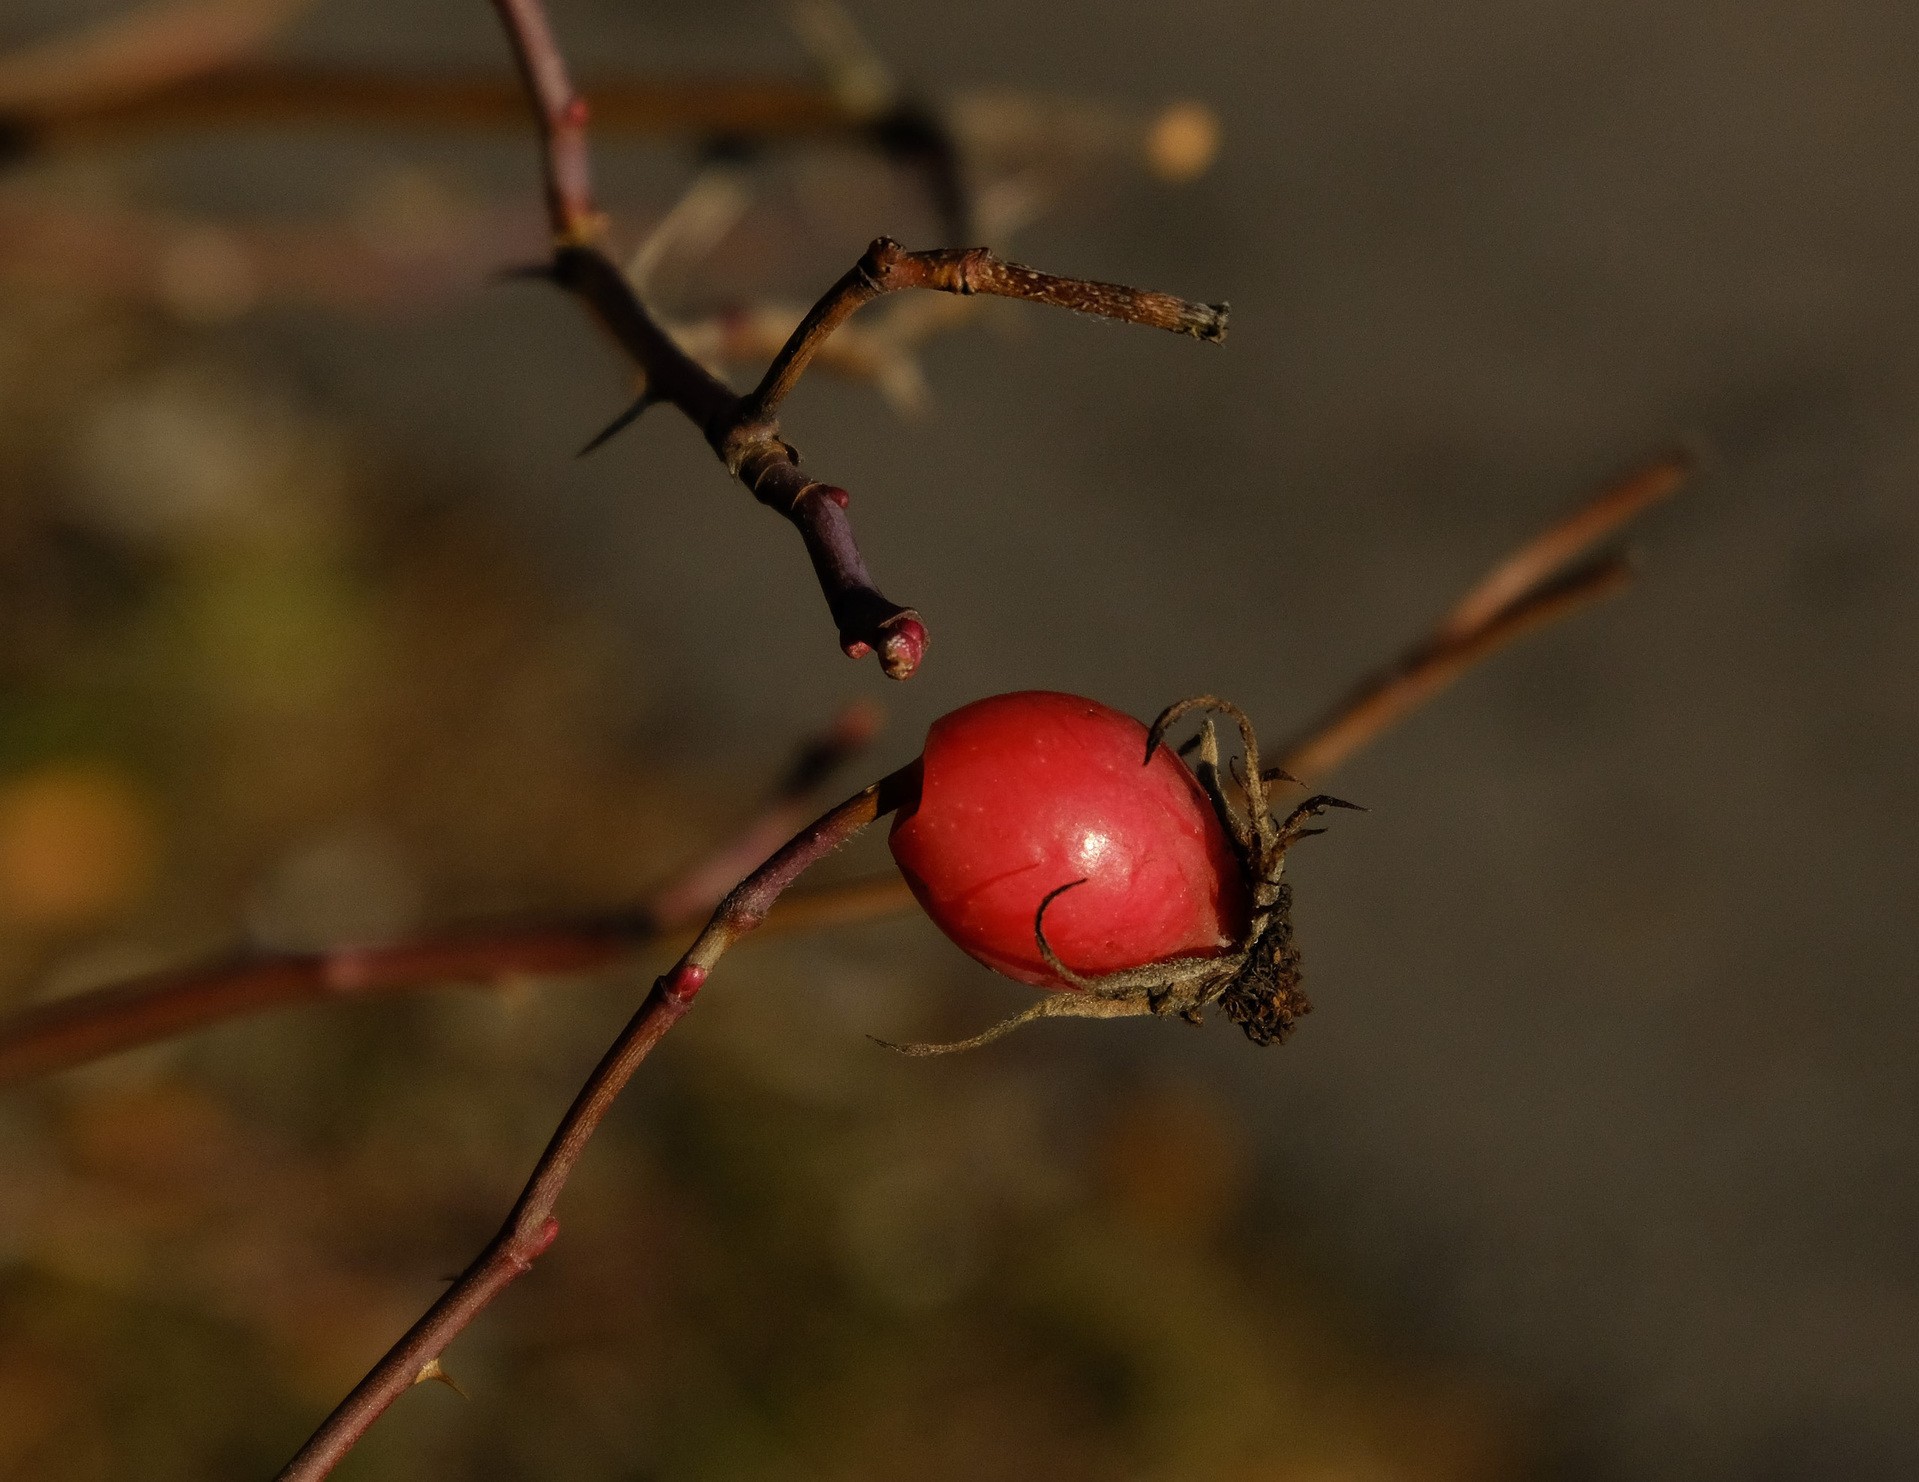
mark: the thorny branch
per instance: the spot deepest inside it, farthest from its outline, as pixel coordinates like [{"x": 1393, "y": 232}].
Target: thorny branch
[
  {"x": 1536, "y": 585},
  {"x": 1524, "y": 590},
  {"x": 531, "y": 1227},
  {"x": 1530, "y": 588},
  {"x": 741, "y": 430},
  {"x": 177, "y": 65},
  {"x": 71, "y": 1031}
]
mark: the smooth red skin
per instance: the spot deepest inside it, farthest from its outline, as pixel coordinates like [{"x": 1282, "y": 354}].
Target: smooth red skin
[{"x": 1021, "y": 793}]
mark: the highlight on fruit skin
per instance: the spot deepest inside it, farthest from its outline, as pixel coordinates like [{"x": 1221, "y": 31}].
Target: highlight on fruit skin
[{"x": 1059, "y": 842}]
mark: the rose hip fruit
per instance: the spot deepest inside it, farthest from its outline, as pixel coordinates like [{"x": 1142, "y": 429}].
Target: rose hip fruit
[
  {"x": 1020, "y": 794},
  {"x": 1055, "y": 840}
]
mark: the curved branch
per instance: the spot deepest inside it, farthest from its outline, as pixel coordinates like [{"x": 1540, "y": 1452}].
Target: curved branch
[
  {"x": 1530, "y": 588},
  {"x": 130, "y": 56},
  {"x": 531, "y": 1226},
  {"x": 742, "y": 430},
  {"x": 275, "y": 95},
  {"x": 86, "y": 1026},
  {"x": 1455, "y": 646}
]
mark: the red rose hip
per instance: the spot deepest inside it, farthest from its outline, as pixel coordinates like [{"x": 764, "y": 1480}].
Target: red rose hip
[
  {"x": 1059, "y": 842},
  {"x": 1024, "y": 793}
]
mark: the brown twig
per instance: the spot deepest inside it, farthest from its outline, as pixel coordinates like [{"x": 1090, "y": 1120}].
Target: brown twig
[
  {"x": 71, "y": 1031},
  {"x": 888, "y": 267},
  {"x": 1530, "y": 588},
  {"x": 747, "y": 440},
  {"x": 135, "y": 54},
  {"x": 531, "y": 1227},
  {"x": 266, "y": 96},
  {"x": 1554, "y": 549}
]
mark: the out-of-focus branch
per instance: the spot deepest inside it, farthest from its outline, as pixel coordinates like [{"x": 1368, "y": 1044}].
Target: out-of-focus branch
[
  {"x": 1548, "y": 555},
  {"x": 531, "y": 1226},
  {"x": 205, "y": 271},
  {"x": 86, "y": 1026},
  {"x": 265, "y": 95},
  {"x": 744, "y": 436},
  {"x": 1490, "y": 615},
  {"x": 72, "y": 1031},
  {"x": 1535, "y": 585},
  {"x": 208, "y": 271},
  {"x": 131, "y": 56},
  {"x": 997, "y": 132}
]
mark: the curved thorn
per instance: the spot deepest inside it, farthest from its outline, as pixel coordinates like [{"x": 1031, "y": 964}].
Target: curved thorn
[
  {"x": 1326, "y": 800},
  {"x": 620, "y": 423},
  {"x": 1312, "y": 808}
]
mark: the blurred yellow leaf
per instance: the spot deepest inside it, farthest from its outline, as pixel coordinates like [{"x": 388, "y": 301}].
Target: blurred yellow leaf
[{"x": 77, "y": 843}]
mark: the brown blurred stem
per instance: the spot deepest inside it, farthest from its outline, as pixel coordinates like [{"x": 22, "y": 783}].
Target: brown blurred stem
[
  {"x": 1537, "y": 584},
  {"x": 1529, "y": 588},
  {"x": 741, "y": 430},
  {"x": 734, "y": 107},
  {"x": 531, "y": 1227},
  {"x": 133, "y": 54},
  {"x": 75, "y": 1030},
  {"x": 71, "y": 1031}
]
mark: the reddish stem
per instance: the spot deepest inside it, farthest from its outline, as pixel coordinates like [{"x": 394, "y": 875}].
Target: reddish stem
[
  {"x": 531, "y": 1227},
  {"x": 86, "y": 1026},
  {"x": 71, "y": 1031},
  {"x": 1528, "y": 589},
  {"x": 562, "y": 114}
]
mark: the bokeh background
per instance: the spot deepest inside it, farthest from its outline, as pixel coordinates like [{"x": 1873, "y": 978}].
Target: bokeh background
[{"x": 1597, "y": 1160}]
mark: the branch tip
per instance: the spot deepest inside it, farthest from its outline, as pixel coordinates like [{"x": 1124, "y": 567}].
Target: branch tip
[
  {"x": 903, "y": 647},
  {"x": 1209, "y": 323}
]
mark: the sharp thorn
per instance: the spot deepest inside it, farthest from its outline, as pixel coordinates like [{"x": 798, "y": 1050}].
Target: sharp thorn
[
  {"x": 619, "y": 424},
  {"x": 431, "y": 1371},
  {"x": 1280, "y": 774}
]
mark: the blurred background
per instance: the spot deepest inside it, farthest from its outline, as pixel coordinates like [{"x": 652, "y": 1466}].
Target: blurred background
[{"x": 1600, "y": 1157}]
